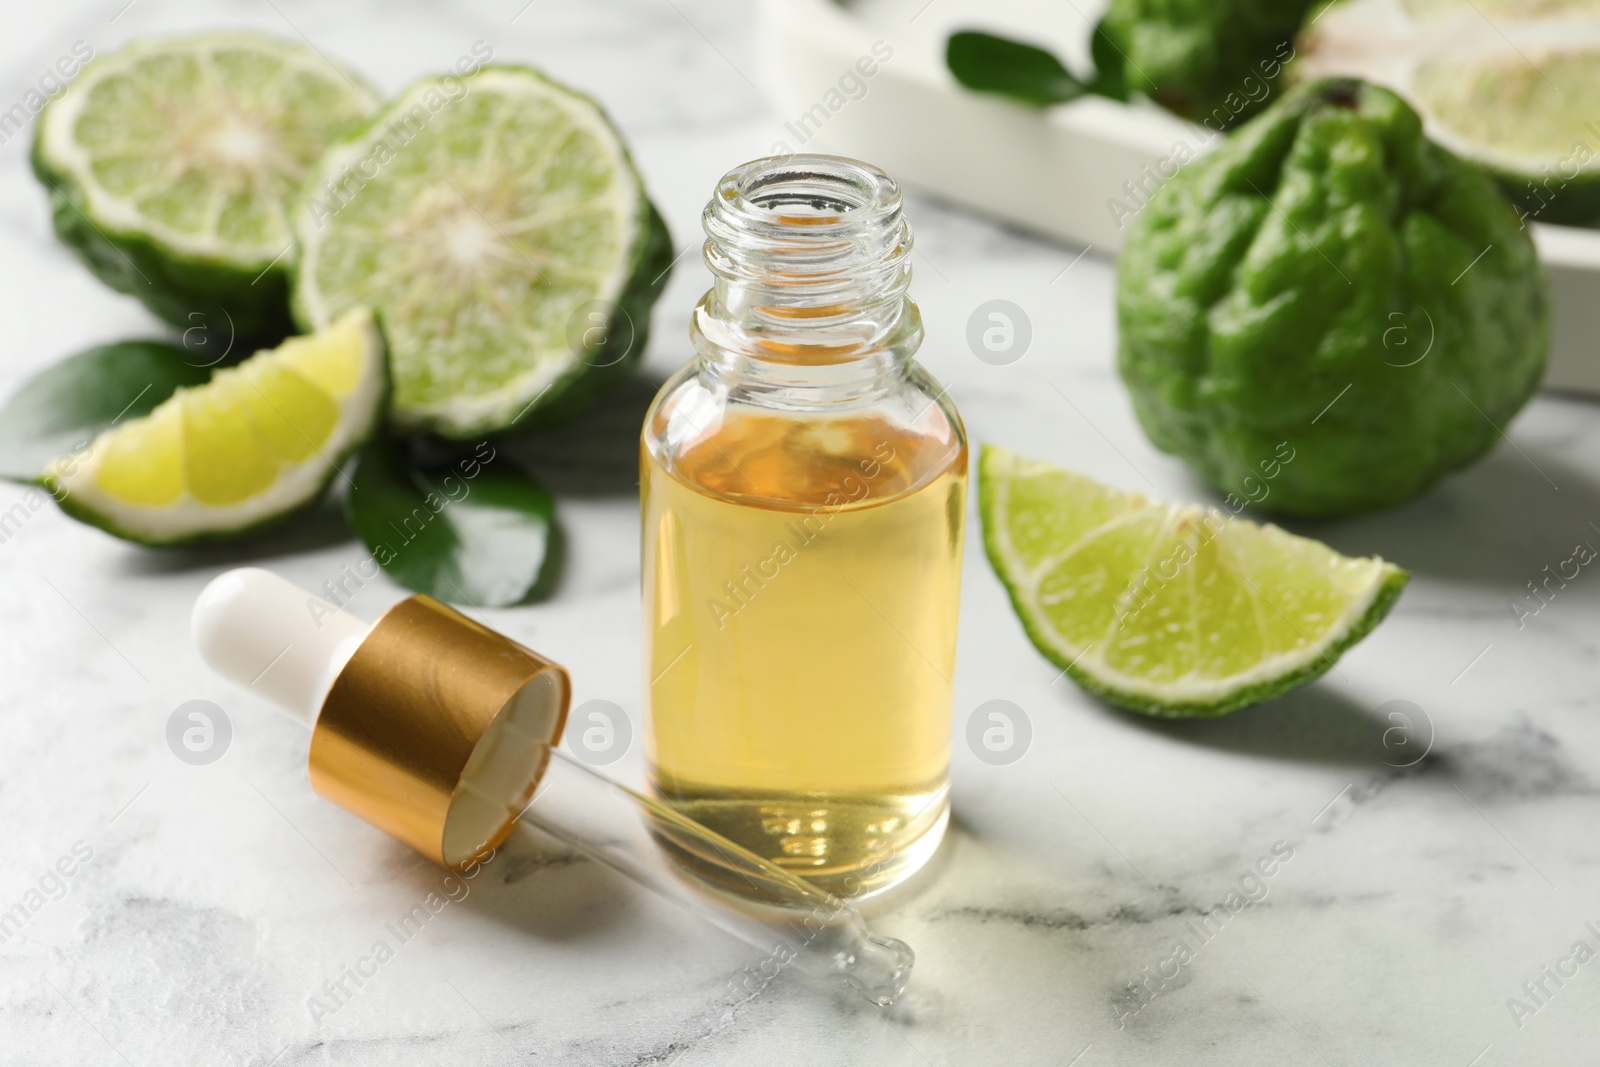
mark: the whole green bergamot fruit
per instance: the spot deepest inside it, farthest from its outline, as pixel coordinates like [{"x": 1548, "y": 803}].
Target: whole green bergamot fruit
[
  {"x": 1212, "y": 61},
  {"x": 1329, "y": 312}
]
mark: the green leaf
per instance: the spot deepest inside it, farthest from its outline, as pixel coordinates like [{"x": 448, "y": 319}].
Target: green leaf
[
  {"x": 472, "y": 528},
  {"x": 991, "y": 64},
  {"x": 65, "y": 406},
  {"x": 1110, "y": 64}
]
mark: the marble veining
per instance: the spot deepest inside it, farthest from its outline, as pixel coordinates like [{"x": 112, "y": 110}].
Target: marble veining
[{"x": 1433, "y": 872}]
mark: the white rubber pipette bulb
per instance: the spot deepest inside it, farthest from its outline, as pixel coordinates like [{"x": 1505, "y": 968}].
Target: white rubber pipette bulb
[{"x": 274, "y": 638}]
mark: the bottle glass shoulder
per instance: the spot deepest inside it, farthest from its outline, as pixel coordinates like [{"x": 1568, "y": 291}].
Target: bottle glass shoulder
[{"x": 756, "y": 449}]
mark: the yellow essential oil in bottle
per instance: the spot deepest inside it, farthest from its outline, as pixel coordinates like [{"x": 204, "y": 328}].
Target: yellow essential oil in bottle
[{"x": 804, "y": 498}]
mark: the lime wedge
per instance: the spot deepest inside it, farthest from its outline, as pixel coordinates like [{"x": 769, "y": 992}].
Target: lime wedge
[
  {"x": 499, "y": 229},
  {"x": 171, "y": 164},
  {"x": 1167, "y": 609},
  {"x": 257, "y": 442},
  {"x": 1513, "y": 86}
]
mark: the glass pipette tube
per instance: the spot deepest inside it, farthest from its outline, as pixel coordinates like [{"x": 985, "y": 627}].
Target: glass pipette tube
[
  {"x": 762, "y": 904},
  {"x": 443, "y": 733}
]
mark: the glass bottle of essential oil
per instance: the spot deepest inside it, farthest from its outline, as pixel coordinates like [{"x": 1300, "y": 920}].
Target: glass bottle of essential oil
[{"x": 804, "y": 501}]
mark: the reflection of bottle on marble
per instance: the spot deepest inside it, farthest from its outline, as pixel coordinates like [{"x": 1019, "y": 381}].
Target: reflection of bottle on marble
[{"x": 804, "y": 488}]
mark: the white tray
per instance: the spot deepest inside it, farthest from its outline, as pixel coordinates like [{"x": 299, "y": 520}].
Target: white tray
[{"x": 1054, "y": 172}]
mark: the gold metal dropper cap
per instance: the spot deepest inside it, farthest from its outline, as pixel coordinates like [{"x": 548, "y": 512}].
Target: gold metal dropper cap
[{"x": 437, "y": 731}]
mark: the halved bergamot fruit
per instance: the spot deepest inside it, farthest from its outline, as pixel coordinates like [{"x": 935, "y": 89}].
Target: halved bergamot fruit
[
  {"x": 258, "y": 442},
  {"x": 171, "y": 165},
  {"x": 499, "y": 229},
  {"x": 1168, "y": 609},
  {"x": 1513, "y": 86}
]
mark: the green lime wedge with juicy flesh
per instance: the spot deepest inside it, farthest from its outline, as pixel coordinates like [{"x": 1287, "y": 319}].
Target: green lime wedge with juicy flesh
[
  {"x": 256, "y": 443},
  {"x": 498, "y": 227},
  {"x": 1168, "y": 609},
  {"x": 172, "y": 163}
]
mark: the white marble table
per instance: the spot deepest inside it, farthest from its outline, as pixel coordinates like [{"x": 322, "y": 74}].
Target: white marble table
[{"x": 216, "y": 900}]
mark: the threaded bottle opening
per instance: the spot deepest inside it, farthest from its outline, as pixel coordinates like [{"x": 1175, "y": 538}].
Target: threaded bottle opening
[
  {"x": 825, "y": 192},
  {"x": 812, "y": 259}
]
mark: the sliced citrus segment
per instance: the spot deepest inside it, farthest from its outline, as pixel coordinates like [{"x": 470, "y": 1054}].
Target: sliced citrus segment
[
  {"x": 1169, "y": 609},
  {"x": 502, "y": 234},
  {"x": 144, "y": 464},
  {"x": 224, "y": 460},
  {"x": 1513, "y": 86},
  {"x": 257, "y": 442},
  {"x": 288, "y": 412},
  {"x": 171, "y": 164}
]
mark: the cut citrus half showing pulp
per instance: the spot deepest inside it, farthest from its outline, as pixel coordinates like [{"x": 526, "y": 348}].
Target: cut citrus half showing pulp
[
  {"x": 1167, "y": 609},
  {"x": 171, "y": 165},
  {"x": 257, "y": 442},
  {"x": 1513, "y": 85},
  {"x": 498, "y": 228}
]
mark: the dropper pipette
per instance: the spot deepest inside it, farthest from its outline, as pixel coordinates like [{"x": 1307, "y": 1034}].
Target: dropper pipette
[{"x": 443, "y": 733}]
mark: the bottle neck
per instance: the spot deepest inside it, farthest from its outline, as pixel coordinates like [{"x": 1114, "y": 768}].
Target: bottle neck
[{"x": 811, "y": 257}]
